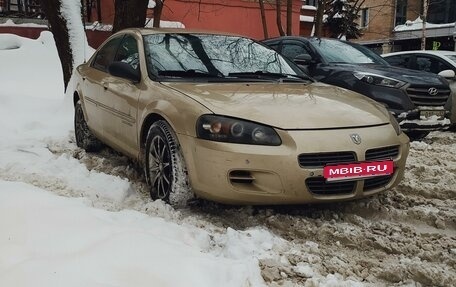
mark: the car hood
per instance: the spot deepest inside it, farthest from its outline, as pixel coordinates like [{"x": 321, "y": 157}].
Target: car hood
[
  {"x": 287, "y": 106},
  {"x": 406, "y": 75}
]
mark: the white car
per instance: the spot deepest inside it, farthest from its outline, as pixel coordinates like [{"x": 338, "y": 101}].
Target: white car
[{"x": 437, "y": 62}]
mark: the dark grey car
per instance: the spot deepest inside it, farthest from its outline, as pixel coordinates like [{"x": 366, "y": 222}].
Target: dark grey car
[{"x": 417, "y": 99}]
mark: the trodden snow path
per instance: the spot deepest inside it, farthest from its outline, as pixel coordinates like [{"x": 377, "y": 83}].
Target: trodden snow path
[{"x": 70, "y": 218}]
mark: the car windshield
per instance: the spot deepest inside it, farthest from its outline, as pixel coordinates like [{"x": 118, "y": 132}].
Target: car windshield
[
  {"x": 335, "y": 51},
  {"x": 184, "y": 56}
]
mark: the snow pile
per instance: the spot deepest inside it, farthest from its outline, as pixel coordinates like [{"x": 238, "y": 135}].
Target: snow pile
[
  {"x": 417, "y": 24},
  {"x": 57, "y": 241},
  {"x": 304, "y": 18},
  {"x": 48, "y": 240},
  {"x": 10, "y": 23}
]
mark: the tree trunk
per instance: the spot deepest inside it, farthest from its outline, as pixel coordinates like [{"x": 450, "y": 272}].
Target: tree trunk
[
  {"x": 129, "y": 14},
  {"x": 289, "y": 16},
  {"x": 263, "y": 19},
  {"x": 158, "y": 12},
  {"x": 319, "y": 18},
  {"x": 59, "y": 29},
  {"x": 279, "y": 17},
  {"x": 99, "y": 11}
]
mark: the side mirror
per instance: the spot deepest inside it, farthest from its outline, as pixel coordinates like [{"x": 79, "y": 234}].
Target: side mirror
[
  {"x": 124, "y": 70},
  {"x": 447, "y": 74},
  {"x": 303, "y": 59}
]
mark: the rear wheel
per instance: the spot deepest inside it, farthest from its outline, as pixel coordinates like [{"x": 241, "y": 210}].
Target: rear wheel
[
  {"x": 165, "y": 167},
  {"x": 417, "y": 135},
  {"x": 84, "y": 137}
]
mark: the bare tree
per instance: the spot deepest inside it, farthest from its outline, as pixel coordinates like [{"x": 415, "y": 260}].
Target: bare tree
[
  {"x": 59, "y": 28},
  {"x": 279, "y": 17},
  {"x": 289, "y": 16},
  {"x": 263, "y": 19},
  {"x": 158, "y": 12},
  {"x": 321, "y": 8},
  {"x": 341, "y": 17},
  {"x": 129, "y": 14}
]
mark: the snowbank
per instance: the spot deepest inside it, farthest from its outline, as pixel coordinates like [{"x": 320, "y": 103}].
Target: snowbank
[
  {"x": 417, "y": 24},
  {"x": 56, "y": 241},
  {"x": 47, "y": 240}
]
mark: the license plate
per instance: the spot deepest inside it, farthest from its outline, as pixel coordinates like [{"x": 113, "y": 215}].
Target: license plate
[
  {"x": 428, "y": 114},
  {"x": 340, "y": 172}
]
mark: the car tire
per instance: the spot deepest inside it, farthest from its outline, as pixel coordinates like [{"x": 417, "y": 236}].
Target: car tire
[
  {"x": 165, "y": 167},
  {"x": 417, "y": 135},
  {"x": 84, "y": 137}
]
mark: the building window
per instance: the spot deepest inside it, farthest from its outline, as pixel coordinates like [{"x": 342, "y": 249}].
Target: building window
[
  {"x": 401, "y": 12},
  {"x": 442, "y": 11},
  {"x": 364, "y": 19},
  {"x": 311, "y": 2}
]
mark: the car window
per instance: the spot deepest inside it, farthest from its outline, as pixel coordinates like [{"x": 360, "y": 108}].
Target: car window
[
  {"x": 452, "y": 58},
  {"x": 335, "y": 51},
  {"x": 105, "y": 55},
  {"x": 128, "y": 52},
  {"x": 291, "y": 50},
  {"x": 431, "y": 64},
  {"x": 274, "y": 46},
  {"x": 402, "y": 61}
]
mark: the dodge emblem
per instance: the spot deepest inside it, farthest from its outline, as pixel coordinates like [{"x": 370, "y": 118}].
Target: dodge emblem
[
  {"x": 433, "y": 91},
  {"x": 356, "y": 138}
]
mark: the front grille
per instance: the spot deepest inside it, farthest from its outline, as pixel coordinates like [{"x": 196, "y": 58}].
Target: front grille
[
  {"x": 318, "y": 185},
  {"x": 420, "y": 96},
  {"x": 377, "y": 182},
  {"x": 321, "y": 159},
  {"x": 382, "y": 153}
]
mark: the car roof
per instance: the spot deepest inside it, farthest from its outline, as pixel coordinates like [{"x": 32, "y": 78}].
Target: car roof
[
  {"x": 430, "y": 52},
  {"x": 150, "y": 31}
]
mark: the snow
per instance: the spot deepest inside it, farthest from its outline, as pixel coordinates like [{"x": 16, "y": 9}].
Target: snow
[
  {"x": 50, "y": 240},
  {"x": 59, "y": 241},
  {"x": 10, "y": 23},
  {"x": 417, "y": 24},
  {"x": 309, "y": 7},
  {"x": 304, "y": 18},
  {"x": 70, "y": 218},
  {"x": 151, "y": 4}
]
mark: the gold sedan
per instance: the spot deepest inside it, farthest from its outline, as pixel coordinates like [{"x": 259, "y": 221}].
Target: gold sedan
[{"x": 222, "y": 117}]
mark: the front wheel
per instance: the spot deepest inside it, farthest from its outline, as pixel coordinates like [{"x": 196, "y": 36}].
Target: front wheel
[
  {"x": 164, "y": 165},
  {"x": 84, "y": 137}
]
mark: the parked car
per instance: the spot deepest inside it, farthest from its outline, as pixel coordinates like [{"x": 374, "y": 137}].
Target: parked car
[
  {"x": 442, "y": 63},
  {"x": 416, "y": 99},
  {"x": 233, "y": 121}
]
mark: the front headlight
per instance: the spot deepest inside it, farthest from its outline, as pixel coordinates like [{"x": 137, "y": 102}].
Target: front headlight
[
  {"x": 232, "y": 130},
  {"x": 395, "y": 124},
  {"x": 378, "y": 80}
]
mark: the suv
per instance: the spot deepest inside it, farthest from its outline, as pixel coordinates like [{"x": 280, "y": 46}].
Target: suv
[
  {"x": 417, "y": 99},
  {"x": 437, "y": 62}
]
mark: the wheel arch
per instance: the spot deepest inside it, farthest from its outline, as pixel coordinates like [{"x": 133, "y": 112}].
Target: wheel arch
[
  {"x": 76, "y": 98},
  {"x": 147, "y": 123}
]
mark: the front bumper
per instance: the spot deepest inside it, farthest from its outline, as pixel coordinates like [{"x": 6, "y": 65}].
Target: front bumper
[
  {"x": 221, "y": 171},
  {"x": 414, "y": 121}
]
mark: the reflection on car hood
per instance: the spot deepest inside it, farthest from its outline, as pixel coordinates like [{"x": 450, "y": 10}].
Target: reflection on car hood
[
  {"x": 406, "y": 75},
  {"x": 287, "y": 106}
]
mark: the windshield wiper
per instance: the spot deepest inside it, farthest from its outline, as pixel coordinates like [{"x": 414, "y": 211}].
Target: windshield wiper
[
  {"x": 268, "y": 75},
  {"x": 188, "y": 73}
]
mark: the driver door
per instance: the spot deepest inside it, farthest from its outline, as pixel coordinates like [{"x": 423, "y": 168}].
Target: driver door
[{"x": 121, "y": 100}]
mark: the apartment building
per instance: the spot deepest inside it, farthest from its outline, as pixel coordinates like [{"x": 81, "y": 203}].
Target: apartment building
[{"x": 395, "y": 25}]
